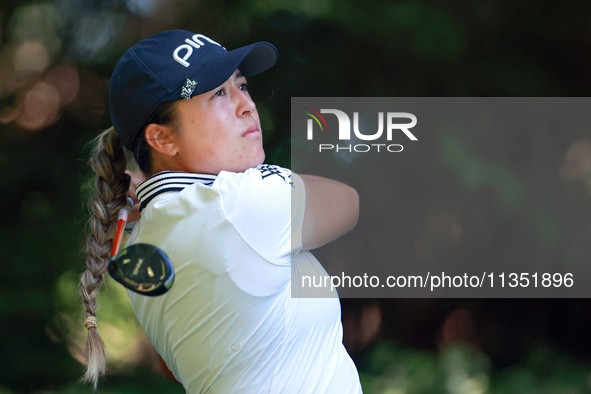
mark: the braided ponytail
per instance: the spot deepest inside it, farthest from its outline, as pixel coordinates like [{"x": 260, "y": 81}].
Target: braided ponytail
[{"x": 109, "y": 163}]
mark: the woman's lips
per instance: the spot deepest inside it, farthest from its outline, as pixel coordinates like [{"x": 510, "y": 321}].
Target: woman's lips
[{"x": 252, "y": 131}]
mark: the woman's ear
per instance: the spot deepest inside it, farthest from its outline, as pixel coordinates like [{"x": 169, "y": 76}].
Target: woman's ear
[{"x": 160, "y": 138}]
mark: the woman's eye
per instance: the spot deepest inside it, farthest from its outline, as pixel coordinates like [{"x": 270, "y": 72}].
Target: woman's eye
[
  {"x": 220, "y": 92},
  {"x": 244, "y": 86}
]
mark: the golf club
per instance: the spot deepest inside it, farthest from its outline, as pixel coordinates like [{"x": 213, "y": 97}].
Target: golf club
[{"x": 142, "y": 268}]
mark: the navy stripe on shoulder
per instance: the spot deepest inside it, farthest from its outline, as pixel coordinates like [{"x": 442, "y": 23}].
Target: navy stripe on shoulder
[{"x": 169, "y": 181}]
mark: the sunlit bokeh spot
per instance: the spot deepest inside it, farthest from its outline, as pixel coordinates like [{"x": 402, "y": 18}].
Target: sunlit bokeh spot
[
  {"x": 441, "y": 234},
  {"x": 577, "y": 161},
  {"x": 312, "y": 8},
  {"x": 40, "y": 107},
  {"x": 466, "y": 370},
  {"x": 361, "y": 330},
  {"x": 145, "y": 8},
  {"x": 67, "y": 82},
  {"x": 458, "y": 328},
  {"x": 77, "y": 353},
  {"x": 36, "y": 22},
  {"x": 371, "y": 317},
  {"x": 475, "y": 173},
  {"x": 30, "y": 57},
  {"x": 93, "y": 35}
]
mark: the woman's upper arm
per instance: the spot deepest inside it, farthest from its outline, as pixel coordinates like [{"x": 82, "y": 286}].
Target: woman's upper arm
[{"x": 332, "y": 209}]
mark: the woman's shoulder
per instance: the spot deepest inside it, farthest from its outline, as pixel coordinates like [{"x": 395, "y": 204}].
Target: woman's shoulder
[
  {"x": 265, "y": 187},
  {"x": 262, "y": 171},
  {"x": 263, "y": 176}
]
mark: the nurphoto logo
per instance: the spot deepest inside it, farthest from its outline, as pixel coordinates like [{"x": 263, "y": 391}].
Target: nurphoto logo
[{"x": 392, "y": 125}]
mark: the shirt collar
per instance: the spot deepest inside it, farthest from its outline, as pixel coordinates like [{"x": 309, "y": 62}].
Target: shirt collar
[{"x": 169, "y": 181}]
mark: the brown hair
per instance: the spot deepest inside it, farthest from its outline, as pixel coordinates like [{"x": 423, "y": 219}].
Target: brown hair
[{"x": 108, "y": 161}]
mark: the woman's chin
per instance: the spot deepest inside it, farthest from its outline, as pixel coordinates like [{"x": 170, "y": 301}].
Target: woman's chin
[{"x": 259, "y": 160}]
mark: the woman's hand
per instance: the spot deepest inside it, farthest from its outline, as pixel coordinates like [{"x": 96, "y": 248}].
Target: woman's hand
[{"x": 136, "y": 179}]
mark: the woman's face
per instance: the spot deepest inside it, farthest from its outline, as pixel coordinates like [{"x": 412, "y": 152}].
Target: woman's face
[{"x": 219, "y": 130}]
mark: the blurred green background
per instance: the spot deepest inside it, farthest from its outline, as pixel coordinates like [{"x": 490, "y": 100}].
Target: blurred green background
[{"x": 56, "y": 58}]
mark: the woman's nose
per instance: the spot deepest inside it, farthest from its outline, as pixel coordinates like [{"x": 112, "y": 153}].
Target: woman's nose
[{"x": 244, "y": 105}]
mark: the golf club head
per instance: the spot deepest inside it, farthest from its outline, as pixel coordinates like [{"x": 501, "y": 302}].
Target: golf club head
[{"x": 143, "y": 268}]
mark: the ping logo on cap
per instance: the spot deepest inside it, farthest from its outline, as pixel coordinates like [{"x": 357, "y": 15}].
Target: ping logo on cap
[{"x": 196, "y": 43}]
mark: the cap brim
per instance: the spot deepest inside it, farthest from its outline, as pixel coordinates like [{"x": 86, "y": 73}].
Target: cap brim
[
  {"x": 259, "y": 57},
  {"x": 251, "y": 60}
]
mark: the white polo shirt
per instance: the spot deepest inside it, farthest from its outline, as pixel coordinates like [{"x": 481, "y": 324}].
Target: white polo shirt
[{"x": 229, "y": 324}]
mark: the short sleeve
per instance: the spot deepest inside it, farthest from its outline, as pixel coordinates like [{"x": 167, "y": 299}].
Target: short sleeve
[{"x": 266, "y": 206}]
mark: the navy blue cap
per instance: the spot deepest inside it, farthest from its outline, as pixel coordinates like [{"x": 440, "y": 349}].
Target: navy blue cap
[{"x": 171, "y": 66}]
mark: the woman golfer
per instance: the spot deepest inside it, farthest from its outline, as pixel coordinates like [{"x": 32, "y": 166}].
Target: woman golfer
[{"x": 236, "y": 230}]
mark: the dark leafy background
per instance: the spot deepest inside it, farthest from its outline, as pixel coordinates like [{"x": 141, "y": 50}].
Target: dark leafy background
[{"x": 55, "y": 62}]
